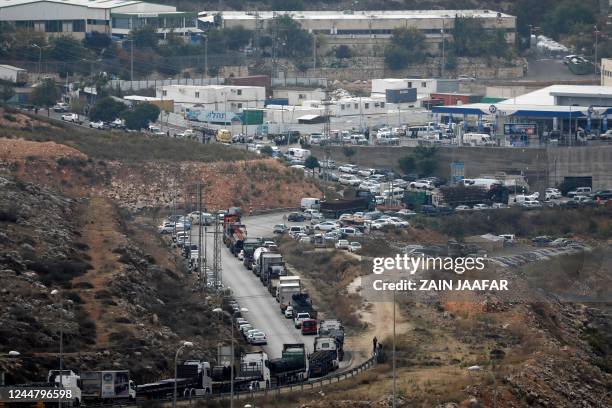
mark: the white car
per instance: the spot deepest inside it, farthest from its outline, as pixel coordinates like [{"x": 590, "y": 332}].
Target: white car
[
  {"x": 348, "y": 168},
  {"x": 462, "y": 208},
  {"x": 289, "y": 312},
  {"x": 349, "y": 180},
  {"x": 258, "y": 338},
  {"x": 297, "y": 322},
  {"x": 398, "y": 222},
  {"x": 166, "y": 228},
  {"x": 379, "y": 224},
  {"x": 579, "y": 191},
  {"x": 327, "y": 226},
  {"x": 354, "y": 247},
  {"x": 499, "y": 205},
  {"x": 70, "y": 117},
  {"x": 349, "y": 231},
  {"x": 552, "y": 194},
  {"x": 422, "y": 184},
  {"x": 342, "y": 244},
  {"x": 96, "y": 125},
  {"x": 479, "y": 207},
  {"x": 366, "y": 172},
  {"x": 399, "y": 183}
]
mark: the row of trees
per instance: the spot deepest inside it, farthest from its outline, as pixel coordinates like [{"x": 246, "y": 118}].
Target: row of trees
[
  {"x": 108, "y": 109},
  {"x": 470, "y": 39}
]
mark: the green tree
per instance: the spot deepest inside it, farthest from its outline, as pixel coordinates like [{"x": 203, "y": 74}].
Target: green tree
[
  {"x": 7, "y": 90},
  {"x": 97, "y": 41},
  {"x": 471, "y": 39},
  {"x": 427, "y": 166},
  {"x": 66, "y": 48},
  {"x": 106, "y": 109},
  {"x": 291, "y": 40},
  {"x": 288, "y": 5},
  {"x": 407, "y": 47},
  {"x": 144, "y": 37},
  {"x": 566, "y": 15},
  {"x": 45, "y": 94},
  {"x": 311, "y": 163},
  {"x": 343, "y": 51},
  {"x": 407, "y": 164},
  {"x": 237, "y": 37},
  {"x": 141, "y": 116},
  {"x": 396, "y": 57}
]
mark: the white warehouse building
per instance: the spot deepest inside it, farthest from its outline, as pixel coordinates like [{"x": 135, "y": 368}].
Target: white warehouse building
[
  {"x": 77, "y": 18},
  {"x": 213, "y": 98},
  {"x": 368, "y": 29}
]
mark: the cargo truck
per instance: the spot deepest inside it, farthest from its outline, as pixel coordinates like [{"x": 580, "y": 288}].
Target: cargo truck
[
  {"x": 302, "y": 303},
  {"x": 291, "y": 367},
  {"x": 285, "y": 293},
  {"x": 332, "y": 329},
  {"x": 193, "y": 378},
  {"x": 249, "y": 246},
  {"x": 322, "y": 362},
  {"x": 68, "y": 380},
  {"x": 234, "y": 232},
  {"x": 271, "y": 266},
  {"x": 16, "y": 75},
  {"x": 107, "y": 385}
]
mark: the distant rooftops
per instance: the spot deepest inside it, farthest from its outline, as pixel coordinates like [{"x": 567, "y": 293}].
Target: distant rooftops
[
  {"x": 104, "y": 4},
  {"x": 357, "y": 15}
]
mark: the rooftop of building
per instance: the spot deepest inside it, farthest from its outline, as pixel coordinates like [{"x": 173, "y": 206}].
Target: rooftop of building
[
  {"x": 357, "y": 15},
  {"x": 205, "y": 87},
  {"x": 105, "y": 4},
  {"x": 546, "y": 96}
]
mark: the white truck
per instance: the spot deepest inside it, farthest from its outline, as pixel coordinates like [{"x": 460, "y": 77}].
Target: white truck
[
  {"x": 477, "y": 139},
  {"x": 194, "y": 379},
  {"x": 68, "y": 380},
  {"x": 285, "y": 292},
  {"x": 107, "y": 385},
  {"x": 254, "y": 373},
  {"x": 13, "y": 74}
]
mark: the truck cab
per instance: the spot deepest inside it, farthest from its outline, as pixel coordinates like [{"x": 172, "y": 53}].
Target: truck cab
[{"x": 67, "y": 380}]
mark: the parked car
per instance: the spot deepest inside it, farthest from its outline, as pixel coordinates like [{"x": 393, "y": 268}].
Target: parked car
[
  {"x": 348, "y": 168},
  {"x": 71, "y": 117},
  {"x": 166, "y": 228},
  {"x": 297, "y": 321},
  {"x": 582, "y": 199},
  {"x": 602, "y": 195},
  {"x": 398, "y": 222},
  {"x": 541, "y": 240},
  {"x": 354, "y": 247},
  {"x": 350, "y": 232},
  {"x": 479, "y": 207},
  {"x": 462, "y": 208},
  {"x": 97, "y": 125},
  {"x": 342, "y": 244},
  {"x": 279, "y": 229},
  {"x": 289, "y": 312},
  {"x": 295, "y": 217},
  {"x": 366, "y": 172},
  {"x": 349, "y": 180},
  {"x": 552, "y": 194},
  {"x": 579, "y": 191},
  {"x": 258, "y": 338},
  {"x": 422, "y": 184},
  {"x": 60, "y": 107},
  {"x": 499, "y": 205},
  {"x": 327, "y": 226}
]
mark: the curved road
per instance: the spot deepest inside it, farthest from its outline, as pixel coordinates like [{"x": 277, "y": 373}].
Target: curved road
[{"x": 264, "y": 312}]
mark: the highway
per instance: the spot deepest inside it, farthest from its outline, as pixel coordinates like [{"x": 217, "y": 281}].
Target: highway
[{"x": 264, "y": 312}]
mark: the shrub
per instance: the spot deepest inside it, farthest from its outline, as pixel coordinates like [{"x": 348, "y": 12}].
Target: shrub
[{"x": 9, "y": 117}]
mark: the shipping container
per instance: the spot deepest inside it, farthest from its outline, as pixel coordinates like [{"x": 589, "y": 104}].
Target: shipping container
[
  {"x": 407, "y": 95},
  {"x": 456, "y": 98}
]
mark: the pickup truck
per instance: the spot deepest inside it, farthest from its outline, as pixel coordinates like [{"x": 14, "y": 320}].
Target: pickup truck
[
  {"x": 297, "y": 321},
  {"x": 579, "y": 191}
]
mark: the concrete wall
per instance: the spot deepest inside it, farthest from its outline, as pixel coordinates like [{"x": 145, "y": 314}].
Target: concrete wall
[{"x": 541, "y": 167}]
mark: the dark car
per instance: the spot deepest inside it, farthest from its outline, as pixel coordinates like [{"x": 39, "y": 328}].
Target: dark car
[
  {"x": 437, "y": 181},
  {"x": 433, "y": 211},
  {"x": 543, "y": 240},
  {"x": 602, "y": 195},
  {"x": 296, "y": 217},
  {"x": 410, "y": 177}
]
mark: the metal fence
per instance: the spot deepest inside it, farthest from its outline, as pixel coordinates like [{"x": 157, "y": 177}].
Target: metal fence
[
  {"x": 154, "y": 83},
  {"x": 300, "y": 81}
]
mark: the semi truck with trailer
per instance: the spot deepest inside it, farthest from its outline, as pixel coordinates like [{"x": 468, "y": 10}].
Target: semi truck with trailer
[
  {"x": 107, "y": 385},
  {"x": 271, "y": 266},
  {"x": 332, "y": 329},
  {"x": 285, "y": 294},
  {"x": 292, "y": 367},
  {"x": 193, "y": 378},
  {"x": 249, "y": 246},
  {"x": 302, "y": 303}
]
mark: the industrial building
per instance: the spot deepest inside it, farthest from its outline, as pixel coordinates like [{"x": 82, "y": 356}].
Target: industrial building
[
  {"x": 215, "y": 99},
  {"x": 555, "y": 114},
  {"x": 367, "y": 29},
  {"x": 77, "y": 18}
]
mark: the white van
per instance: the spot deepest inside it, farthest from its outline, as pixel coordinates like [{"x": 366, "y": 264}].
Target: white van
[
  {"x": 395, "y": 194},
  {"x": 310, "y": 203},
  {"x": 297, "y": 153},
  {"x": 485, "y": 183},
  {"x": 477, "y": 139}
]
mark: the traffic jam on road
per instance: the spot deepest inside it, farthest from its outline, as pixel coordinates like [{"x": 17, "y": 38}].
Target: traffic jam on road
[{"x": 297, "y": 359}]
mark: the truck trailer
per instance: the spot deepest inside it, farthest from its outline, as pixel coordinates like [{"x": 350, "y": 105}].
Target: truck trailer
[
  {"x": 108, "y": 385},
  {"x": 194, "y": 378}
]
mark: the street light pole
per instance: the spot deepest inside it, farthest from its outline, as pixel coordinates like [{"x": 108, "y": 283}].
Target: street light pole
[
  {"x": 206, "y": 56},
  {"x": 185, "y": 344},
  {"x": 596, "y": 40}
]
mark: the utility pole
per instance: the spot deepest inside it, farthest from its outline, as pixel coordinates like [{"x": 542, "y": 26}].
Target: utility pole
[
  {"x": 443, "y": 49},
  {"x": 200, "y": 236},
  {"x": 206, "y": 56},
  {"x": 596, "y": 40},
  {"x": 314, "y": 51},
  {"x": 132, "y": 61},
  {"x": 394, "y": 373},
  {"x": 217, "y": 253}
]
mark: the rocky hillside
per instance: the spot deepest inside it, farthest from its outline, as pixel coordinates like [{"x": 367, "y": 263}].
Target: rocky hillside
[{"x": 123, "y": 302}]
